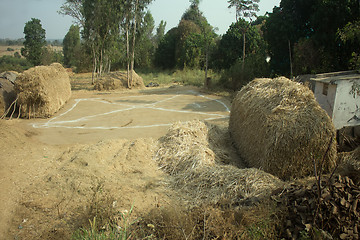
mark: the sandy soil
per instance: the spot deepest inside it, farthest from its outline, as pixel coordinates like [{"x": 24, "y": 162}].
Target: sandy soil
[{"x": 96, "y": 151}]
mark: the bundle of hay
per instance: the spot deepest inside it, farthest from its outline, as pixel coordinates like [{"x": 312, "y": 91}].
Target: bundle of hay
[
  {"x": 196, "y": 167},
  {"x": 278, "y": 126},
  {"x": 185, "y": 147},
  {"x": 7, "y": 92},
  {"x": 118, "y": 80},
  {"x": 42, "y": 90}
]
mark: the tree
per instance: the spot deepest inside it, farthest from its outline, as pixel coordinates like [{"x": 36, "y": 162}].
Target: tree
[
  {"x": 351, "y": 33},
  {"x": 245, "y": 9},
  {"x": 71, "y": 46},
  {"x": 160, "y": 32},
  {"x": 34, "y": 41},
  {"x": 74, "y": 8},
  {"x": 145, "y": 45}
]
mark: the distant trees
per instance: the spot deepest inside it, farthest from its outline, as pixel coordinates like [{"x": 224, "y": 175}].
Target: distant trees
[
  {"x": 72, "y": 46},
  {"x": 188, "y": 44},
  {"x": 34, "y": 41},
  {"x": 311, "y": 29}
]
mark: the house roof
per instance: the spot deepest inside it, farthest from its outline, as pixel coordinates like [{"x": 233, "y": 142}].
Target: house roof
[{"x": 334, "y": 77}]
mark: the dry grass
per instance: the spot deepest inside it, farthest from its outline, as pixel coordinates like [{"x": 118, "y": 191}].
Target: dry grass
[
  {"x": 279, "y": 127},
  {"x": 42, "y": 90},
  {"x": 200, "y": 173}
]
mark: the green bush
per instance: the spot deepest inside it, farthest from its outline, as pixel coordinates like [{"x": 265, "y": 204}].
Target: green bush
[{"x": 10, "y": 63}]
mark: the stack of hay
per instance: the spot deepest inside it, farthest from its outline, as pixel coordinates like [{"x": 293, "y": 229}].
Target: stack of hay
[
  {"x": 42, "y": 90},
  {"x": 118, "y": 80},
  {"x": 278, "y": 127},
  {"x": 195, "y": 168}
]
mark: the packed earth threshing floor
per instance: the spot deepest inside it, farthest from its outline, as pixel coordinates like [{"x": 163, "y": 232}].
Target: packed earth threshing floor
[{"x": 140, "y": 114}]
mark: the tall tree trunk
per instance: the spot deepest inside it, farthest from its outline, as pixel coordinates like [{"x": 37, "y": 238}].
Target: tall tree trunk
[
  {"x": 291, "y": 66},
  {"x": 133, "y": 44},
  {"x": 207, "y": 81},
  {"x": 94, "y": 66},
  {"x": 127, "y": 55}
]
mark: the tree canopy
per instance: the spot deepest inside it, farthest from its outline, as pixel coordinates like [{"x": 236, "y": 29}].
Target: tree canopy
[{"x": 34, "y": 41}]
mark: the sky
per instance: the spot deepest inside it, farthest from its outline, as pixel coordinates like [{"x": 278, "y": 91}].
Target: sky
[{"x": 15, "y": 13}]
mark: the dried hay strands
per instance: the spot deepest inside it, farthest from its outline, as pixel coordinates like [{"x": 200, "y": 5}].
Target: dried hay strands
[
  {"x": 278, "y": 126},
  {"x": 42, "y": 90},
  {"x": 184, "y": 147},
  {"x": 185, "y": 154}
]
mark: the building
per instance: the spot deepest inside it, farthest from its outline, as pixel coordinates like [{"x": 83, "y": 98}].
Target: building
[{"x": 338, "y": 94}]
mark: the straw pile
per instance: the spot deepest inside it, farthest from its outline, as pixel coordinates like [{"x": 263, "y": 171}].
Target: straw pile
[
  {"x": 184, "y": 147},
  {"x": 118, "y": 80},
  {"x": 198, "y": 171},
  {"x": 42, "y": 90},
  {"x": 278, "y": 126}
]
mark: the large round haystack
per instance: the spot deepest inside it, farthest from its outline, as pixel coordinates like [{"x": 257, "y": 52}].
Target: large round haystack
[
  {"x": 118, "y": 80},
  {"x": 42, "y": 90},
  {"x": 278, "y": 126}
]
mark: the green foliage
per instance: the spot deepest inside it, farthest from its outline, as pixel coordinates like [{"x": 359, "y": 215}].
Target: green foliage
[
  {"x": 230, "y": 49},
  {"x": 165, "y": 53},
  {"x": 145, "y": 44},
  {"x": 10, "y": 63},
  {"x": 255, "y": 67},
  {"x": 245, "y": 8},
  {"x": 119, "y": 229},
  {"x": 34, "y": 41},
  {"x": 351, "y": 33},
  {"x": 49, "y": 56},
  {"x": 317, "y": 21},
  {"x": 72, "y": 46}
]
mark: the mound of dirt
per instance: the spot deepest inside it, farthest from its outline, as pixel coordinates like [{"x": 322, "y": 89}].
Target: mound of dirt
[
  {"x": 87, "y": 181},
  {"x": 42, "y": 90},
  {"x": 118, "y": 80}
]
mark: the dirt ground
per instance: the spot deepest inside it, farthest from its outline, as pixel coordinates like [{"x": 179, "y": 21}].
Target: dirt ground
[{"x": 96, "y": 151}]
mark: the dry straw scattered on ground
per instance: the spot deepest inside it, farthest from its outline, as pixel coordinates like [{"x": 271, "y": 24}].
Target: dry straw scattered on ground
[
  {"x": 278, "y": 126},
  {"x": 42, "y": 90},
  {"x": 118, "y": 80},
  {"x": 185, "y": 154}
]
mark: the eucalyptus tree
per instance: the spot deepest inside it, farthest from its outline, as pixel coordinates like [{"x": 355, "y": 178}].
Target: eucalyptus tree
[
  {"x": 74, "y": 8},
  {"x": 245, "y": 9}
]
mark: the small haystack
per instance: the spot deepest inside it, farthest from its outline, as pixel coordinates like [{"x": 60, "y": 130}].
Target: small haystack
[
  {"x": 278, "y": 126},
  {"x": 7, "y": 93},
  {"x": 42, "y": 90},
  {"x": 197, "y": 167},
  {"x": 185, "y": 147},
  {"x": 118, "y": 80}
]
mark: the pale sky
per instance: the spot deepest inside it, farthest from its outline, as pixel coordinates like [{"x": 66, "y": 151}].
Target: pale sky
[{"x": 15, "y": 13}]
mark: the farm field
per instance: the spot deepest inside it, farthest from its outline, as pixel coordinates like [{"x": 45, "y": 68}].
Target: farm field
[{"x": 116, "y": 133}]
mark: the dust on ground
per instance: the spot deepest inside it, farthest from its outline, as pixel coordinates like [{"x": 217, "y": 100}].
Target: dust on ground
[{"x": 93, "y": 151}]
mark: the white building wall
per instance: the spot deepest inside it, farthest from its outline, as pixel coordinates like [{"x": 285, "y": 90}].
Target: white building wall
[
  {"x": 326, "y": 101},
  {"x": 347, "y": 104}
]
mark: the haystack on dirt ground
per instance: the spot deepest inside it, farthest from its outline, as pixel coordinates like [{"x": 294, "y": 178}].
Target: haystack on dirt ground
[
  {"x": 42, "y": 90},
  {"x": 278, "y": 126},
  {"x": 200, "y": 172},
  {"x": 118, "y": 80},
  {"x": 7, "y": 93}
]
